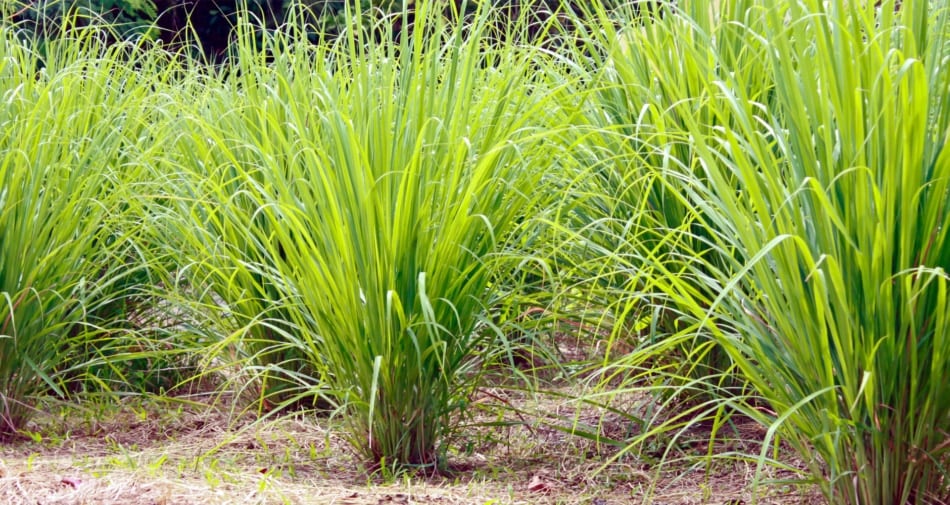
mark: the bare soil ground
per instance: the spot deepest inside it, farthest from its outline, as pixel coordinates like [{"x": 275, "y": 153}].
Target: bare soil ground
[
  {"x": 515, "y": 448},
  {"x": 193, "y": 452}
]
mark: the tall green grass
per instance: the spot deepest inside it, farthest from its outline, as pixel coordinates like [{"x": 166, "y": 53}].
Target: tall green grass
[
  {"x": 643, "y": 78},
  {"x": 350, "y": 203},
  {"x": 856, "y": 234},
  {"x": 755, "y": 197},
  {"x": 72, "y": 131},
  {"x": 816, "y": 174}
]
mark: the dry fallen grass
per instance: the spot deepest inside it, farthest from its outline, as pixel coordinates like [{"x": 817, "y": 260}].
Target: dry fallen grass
[{"x": 175, "y": 452}]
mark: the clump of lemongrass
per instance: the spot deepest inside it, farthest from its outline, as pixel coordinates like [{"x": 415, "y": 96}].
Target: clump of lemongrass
[
  {"x": 826, "y": 197},
  {"x": 643, "y": 74},
  {"x": 348, "y": 201},
  {"x": 74, "y": 122}
]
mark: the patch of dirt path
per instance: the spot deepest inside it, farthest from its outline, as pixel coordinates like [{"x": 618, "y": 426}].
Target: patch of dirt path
[{"x": 159, "y": 453}]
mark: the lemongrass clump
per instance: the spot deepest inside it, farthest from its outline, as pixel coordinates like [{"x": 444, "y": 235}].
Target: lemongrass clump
[
  {"x": 823, "y": 182},
  {"x": 75, "y": 119},
  {"x": 348, "y": 203}
]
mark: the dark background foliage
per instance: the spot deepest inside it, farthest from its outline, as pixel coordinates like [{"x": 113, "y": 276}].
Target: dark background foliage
[{"x": 207, "y": 26}]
